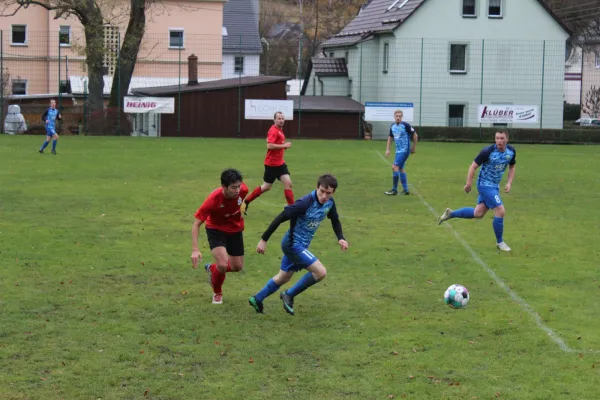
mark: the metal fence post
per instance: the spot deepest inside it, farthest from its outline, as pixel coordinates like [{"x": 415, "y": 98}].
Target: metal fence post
[
  {"x": 542, "y": 100},
  {"x": 179, "y": 94},
  {"x": 2, "y": 80},
  {"x": 119, "y": 83},
  {"x": 59, "y": 91},
  {"x": 421, "y": 85},
  {"x": 359, "y": 74},
  {"x": 240, "y": 71},
  {"x": 481, "y": 86},
  {"x": 300, "y": 97}
]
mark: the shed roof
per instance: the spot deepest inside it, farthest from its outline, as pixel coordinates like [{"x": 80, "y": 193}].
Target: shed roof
[
  {"x": 210, "y": 85},
  {"x": 334, "y": 104}
]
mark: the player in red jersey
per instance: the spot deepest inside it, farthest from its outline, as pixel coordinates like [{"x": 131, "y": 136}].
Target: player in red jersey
[
  {"x": 224, "y": 226},
  {"x": 275, "y": 166}
]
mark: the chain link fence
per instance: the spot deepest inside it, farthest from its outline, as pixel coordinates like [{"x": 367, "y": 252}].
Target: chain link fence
[{"x": 444, "y": 80}]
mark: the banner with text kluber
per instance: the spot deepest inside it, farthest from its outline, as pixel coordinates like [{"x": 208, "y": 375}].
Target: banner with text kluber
[
  {"x": 159, "y": 105},
  {"x": 507, "y": 114}
]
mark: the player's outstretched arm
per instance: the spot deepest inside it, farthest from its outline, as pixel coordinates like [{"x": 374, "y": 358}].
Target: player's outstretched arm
[
  {"x": 262, "y": 245},
  {"x": 337, "y": 228},
  {"x": 511, "y": 176},
  {"x": 196, "y": 255},
  {"x": 470, "y": 175}
]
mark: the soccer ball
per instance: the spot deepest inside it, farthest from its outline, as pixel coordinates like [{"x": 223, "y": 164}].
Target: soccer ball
[{"x": 456, "y": 296}]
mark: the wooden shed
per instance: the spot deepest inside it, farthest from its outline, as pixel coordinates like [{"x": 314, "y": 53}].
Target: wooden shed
[
  {"x": 326, "y": 117},
  {"x": 216, "y": 108}
]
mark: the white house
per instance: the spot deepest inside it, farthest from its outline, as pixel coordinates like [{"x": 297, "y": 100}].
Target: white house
[
  {"x": 447, "y": 57},
  {"x": 241, "y": 42},
  {"x": 573, "y": 73}
]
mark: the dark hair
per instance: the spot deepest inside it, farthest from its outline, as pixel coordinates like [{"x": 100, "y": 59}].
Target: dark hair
[
  {"x": 277, "y": 112},
  {"x": 327, "y": 181},
  {"x": 503, "y": 133},
  {"x": 230, "y": 176}
]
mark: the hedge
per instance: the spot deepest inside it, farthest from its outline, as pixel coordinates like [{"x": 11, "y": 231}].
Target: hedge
[{"x": 454, "y": 134}]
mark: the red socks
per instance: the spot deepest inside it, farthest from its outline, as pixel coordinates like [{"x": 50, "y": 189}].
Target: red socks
[
  {"x": 217, "y": 278},
  {"x": 255, "y": 193},
  {"x": 289, "y": 196}
]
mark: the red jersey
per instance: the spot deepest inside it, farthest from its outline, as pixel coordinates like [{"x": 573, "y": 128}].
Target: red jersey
[
  {"x": 274, "y": 158},
  {"x": 221, "y": 213}
]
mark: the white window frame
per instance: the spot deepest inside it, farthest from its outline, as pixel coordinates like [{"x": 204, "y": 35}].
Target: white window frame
[
  {"x": 176, "y": 29},
  {"x": 464, "y": 116},
  {"x": 501, "y": 9},
  {"x": 68, "y": 44},
  {"x": 235, "y": 71},
  {"x": 18, "y": 80},
  {"x": 12, "y": 42},
  {"x": 458, "y": 71},
  {"x": 462, "y": 9},
  {"x": 386, "y": 57}
]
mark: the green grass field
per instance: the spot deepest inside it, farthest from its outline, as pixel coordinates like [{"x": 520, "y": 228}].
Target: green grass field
[{"x": 98, "y": 299}]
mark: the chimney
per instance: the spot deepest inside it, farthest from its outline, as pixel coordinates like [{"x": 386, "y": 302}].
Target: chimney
[{"x": 192, "y": 70}]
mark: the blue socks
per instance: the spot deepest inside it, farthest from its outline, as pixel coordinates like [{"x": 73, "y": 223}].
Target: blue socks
[
  {"x": 270, "y": 288},
  {"x": 44, "y": 145},
  {"x": 498, "y": 224},
  {"x": 404, "y": 181},
  {"x": 396, "y": 178},
  {"x": 467, "y": 212},
  {"x": 304, "y": 283},
  {"x": 53, "y": 145}
]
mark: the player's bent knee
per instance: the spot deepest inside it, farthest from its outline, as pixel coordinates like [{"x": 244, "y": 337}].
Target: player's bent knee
[{"x": 266, "y": 187}]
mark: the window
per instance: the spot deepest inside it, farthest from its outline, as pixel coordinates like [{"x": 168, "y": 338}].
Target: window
[
  {"x": 64, "y": 35},
  {"x": 331, "y": 54},
  {"x": 597, "y": 60},
  {"x": 456, "y": 115},
  {"x": 495, "y": 8},
  {"x": 111, "y": 45},
  {"x": 176, "y": 38},
  {"x": 19, "y": 34},
  {"x": 396, "y": 2},
  {"x": 468, "y": 8},
  {"x": 386, "y": 57},
  {"x": 238, "y": 65},
  {"x": 346, "y": 57},
  {"x": 19, "y": 86},
  {"x": 458, "y": 58}
]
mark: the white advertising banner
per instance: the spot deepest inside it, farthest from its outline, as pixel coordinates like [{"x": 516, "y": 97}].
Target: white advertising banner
[
  {"x": 384, "y": 111},
  {"x": 507, "y": 114},
  {"x": 140, "y": 105},
  {"x": 266, "y": 109}
]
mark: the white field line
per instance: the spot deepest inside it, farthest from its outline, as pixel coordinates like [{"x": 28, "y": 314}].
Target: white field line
[{"x": 536, "y": 317}]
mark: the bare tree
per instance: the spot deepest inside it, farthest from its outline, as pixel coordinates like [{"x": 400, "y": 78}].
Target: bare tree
[{"x": 591, "y": 104}]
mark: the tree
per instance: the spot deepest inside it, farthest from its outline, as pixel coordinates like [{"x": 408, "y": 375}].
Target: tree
[
  {"x": 93, "y": 15},
  {"x": 592, "y": 102},
  {"x": 90, "y": 15}
]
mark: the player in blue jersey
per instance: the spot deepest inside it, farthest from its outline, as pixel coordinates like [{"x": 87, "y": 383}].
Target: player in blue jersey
[
  {"x": 402, "y": 134},
  {"x": 50, "y": 116},
  {"x": 493, "y": 161},
  {"x": 305, "y": 216}
]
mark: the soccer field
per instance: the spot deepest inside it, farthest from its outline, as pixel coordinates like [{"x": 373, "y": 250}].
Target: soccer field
[{"x": 99, "y": 301}]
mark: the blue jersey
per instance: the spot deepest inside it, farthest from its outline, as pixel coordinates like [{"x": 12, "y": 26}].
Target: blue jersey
[
  {"x": 51, "y": 115},
  {"x": 402, "y": 134},
  {"x": 493, "y": 164},
  {"x": 306, "y": 215}
]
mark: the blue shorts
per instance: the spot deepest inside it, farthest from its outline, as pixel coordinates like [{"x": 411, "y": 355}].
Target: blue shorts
[
  {"x": 490, "y": 196},
  {"x": 50, "y": 131},
  {"x": 297, "y": 259},
  {"x": 400, "y": 159}
]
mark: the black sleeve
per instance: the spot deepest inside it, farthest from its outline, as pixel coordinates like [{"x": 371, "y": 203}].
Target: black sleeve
[
  {"x": 335, "y": 222},
  {"x": 281, "y": 218},
  {"x": 45, "y": 116},
  {"x": 59, "y": 115}
]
